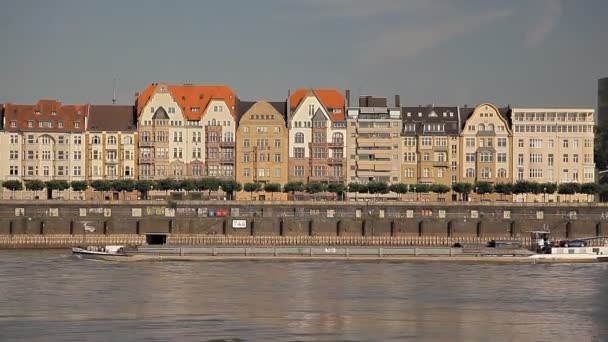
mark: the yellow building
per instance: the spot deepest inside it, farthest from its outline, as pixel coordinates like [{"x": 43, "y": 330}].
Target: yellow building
[{"x": 262, "y": 148}]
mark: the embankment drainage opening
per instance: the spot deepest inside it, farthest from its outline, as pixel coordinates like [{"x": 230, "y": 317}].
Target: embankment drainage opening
[{"x": 156, "y": 238}]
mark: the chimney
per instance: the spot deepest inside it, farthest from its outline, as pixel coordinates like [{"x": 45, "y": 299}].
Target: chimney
[
  {"x": 397, "y": 100},
  {"x": 347, "y": 95}
]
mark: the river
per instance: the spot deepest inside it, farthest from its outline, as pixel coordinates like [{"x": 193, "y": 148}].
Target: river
[{"x": 51, "y": 296}]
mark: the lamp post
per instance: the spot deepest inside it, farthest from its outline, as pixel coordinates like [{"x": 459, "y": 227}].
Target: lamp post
[
  {"x": 545, "y": 193},
  {"x": 476, "y": 191},
  {"x": 415, "y": 193}
]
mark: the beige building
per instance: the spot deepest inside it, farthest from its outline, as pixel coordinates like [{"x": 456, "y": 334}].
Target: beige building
[
  {"x": 46, "y": 141},
  {"x": 186, "y": 131},
  {"x": 553, "y": 144},
  {"x": 374, "y": 141},
  {"x": 111, "y": 143},
  {"x": 485, "y": 144},
  {"x": 430, "y": 145},
  {"x": 262, "y": 149},
  {"x": 317, "y": 129}
]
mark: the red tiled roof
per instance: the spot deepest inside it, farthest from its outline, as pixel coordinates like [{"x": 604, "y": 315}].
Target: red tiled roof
[
  {"x": 45, "y": 110},
  {"x": 192, "y": 96},
  {"x": 330, "y": 98}
]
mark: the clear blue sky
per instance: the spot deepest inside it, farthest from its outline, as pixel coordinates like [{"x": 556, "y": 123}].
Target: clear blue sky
[{"x": 518, "y": 52}]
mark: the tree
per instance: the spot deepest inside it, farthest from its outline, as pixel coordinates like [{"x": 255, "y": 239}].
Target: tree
[
  {"x": 123, "y": 185},
  {"x": 79, "y": 186},
  {"x": 102, "y": 186},
  {"x": 143, "y": 187},
  {"x": 13, "y": 185},
  {"x": 589, "y": 189},
  {"x": 337, "y": 188},
  {"x": 422, "y": 188},
  {"x": 187, "y": 185},
  {"x": 377, "y": 187},
  {"x": 484, "y": 188},
  {"x": 59, "y": 185},
  {"x": 315, "y": 187},
  {"x": 34, "y": 185},
  {"x": 603, "y": 192},
  {"x": 399, "y": 188},
  {"x": 293, "y": 187},
  {"x": 568, "y": 188},
  {"x": 440, "y": 189},
  {"x": 548, "y": 188},
  {"x": 463, "y": 189},
  {"x": 230, "y": 187},
  {"x": 272, "y": 188},
  {"x": 252, "y": 187},
  {"x": 208, "y": 184},
  {"x": 503, "y": 189},
  {"x": 165, "y": 185}
]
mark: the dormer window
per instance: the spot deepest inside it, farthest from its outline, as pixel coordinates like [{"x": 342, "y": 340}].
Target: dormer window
[
  {"x": 151, "y": 109},
  {"x": 419, "y": 114},
  {"x": 53, "y": 113},
  {"x": 409, "y": 114},
  {"x": 13, "y": 123},
  {"x": 195, "y": 109},
  {"x": 37, "y": 112}
]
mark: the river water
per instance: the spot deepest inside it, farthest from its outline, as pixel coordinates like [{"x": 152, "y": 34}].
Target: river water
[{"x": 51, "y": 296}]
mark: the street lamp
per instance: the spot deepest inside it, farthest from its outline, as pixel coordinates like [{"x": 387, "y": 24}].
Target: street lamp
[
  {"x": 545, "y": 193},
  {"x": 415, "y": 193},
  {"x": 476, "y": 191}
]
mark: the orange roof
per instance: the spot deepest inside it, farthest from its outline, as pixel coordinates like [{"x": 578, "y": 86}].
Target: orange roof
[
  {"x": 331, "y": 99},
  {"x": 192, "y": 96},
  {"x": 51, "y": 111}
]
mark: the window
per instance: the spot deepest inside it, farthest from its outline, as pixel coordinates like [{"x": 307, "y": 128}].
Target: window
[
  {"x": 337, "y": 138},
  {"x": 520, "y": 159},
  {"x": 565, "y": 143},
  {"x": 77, "y": 140},
  {"x": 443, "y": 142},
  {"x": 502, "y": 173},
  {"x": 502, "y": 142},
  {"x": 440, "y": 157},
  {"x": 111, "y": 140},
  {"x": 299, "y": 152},
  {"x": 246, "y": 172},
  {"x": 299, "y": 138},
  {"x": 60, "y": 124},
  {"x": 481, "y": 127},
  {"x": 536, "y": 143},
  {"x": 550, "y": 143},
  {"x": 587, "y": 158},
  {"x": 128, "y": 140},
  {"x": 575, "y": 158},
  {"x": 277, "y": 157},
  {"x": 426, "y": 141},
  {"x": 95, "y": 140},
  {"x": 277, "y": 143},
  {"x": 588, "y": 173},
  {"x": 520, "y": 143},
  {"x": 13, "y": 123},
  {"x": 409, "y": 157},
  {"x": 470, "y": 142},
  {"x": 46, "y": 155},
  {"x": 501, "y": 157},
  {"x": 565, "y": 158},
  {"x": 408, "y": 173},
  {"x": 550, "y": 159},
  {"x": 486, "y": 157},
  {"x": 337, "y": 171},
  {"x": 318, "y": 137},
  {"x": 77, "y": 171},
  {"x": 440, "y": 172},
  {"x": 77, "y": 155},
  {"x": 536, "y": 158},
  {"x": 298, "y": 171},
  {"x": 319, "y": 153},
  {"x": 14, "y": 139},
  {"x": 14, "y": 170},
  {"x": 588, "y": 143},
  {"x": 409, "y": 141},
  {"x": 470, "y": 172},
  {"x": 76, "y": 124},
  {"x": 14, "y": 155},
  {"x": 470, "y": 157},
  {"x": 246, "y": 143},
  {"x": 486, "y": 172},
  {"x": 536, "y": 173},
  {"x": 426, "y": 173},
  {"x": 426, "y": 156}
]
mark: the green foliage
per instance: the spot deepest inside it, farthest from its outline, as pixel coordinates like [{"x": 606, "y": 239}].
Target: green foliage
[
  {"x": 377, "y": 187},
  {"x": 568, "y": 188},
  {"x": 315, "y": 187},
  {"x": 293, "y": 187},
  {"x": 58, "y": 185},
  {"x": 123, "y": 185},
  {"x": 398, "y": 188},
  {"x": 523, "y": 187},
  {"x": 272, "y": 187},
  {"x": 422, "y": 188},
  {"x": 34, "y": 185},
  {"x": 187, "y": 185},
  {"x": 252, "y": 187},
  {"x": 440, "y": 188},
  {"x": 165, "y": 184},
  {"x": 462, "y": 188},
  {"x": 143, "y": 187},
  {"x": 13, "y": 185},
  {"x": 484, "y": 188},
  {"x": 357, "y": 187},
  {"x": 589, "y": 188},
  {"x": 79, "y": 185},
  {"x": 101, "y": 185},
  {"x": 336, "y": 188},
  {"x": 503, "y": 188},
  {"x": 230, "y": 186},
  {"x": 548, "y": 188}
]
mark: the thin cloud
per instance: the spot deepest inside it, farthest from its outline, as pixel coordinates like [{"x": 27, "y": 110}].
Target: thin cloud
[
  {"x": 406, "y": 41},
  {"x": 360, "y": 8},
  {"x": 552, "y": 12}
]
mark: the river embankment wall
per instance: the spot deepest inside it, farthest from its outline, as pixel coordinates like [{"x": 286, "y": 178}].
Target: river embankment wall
[{"x": 296, "y": 219}]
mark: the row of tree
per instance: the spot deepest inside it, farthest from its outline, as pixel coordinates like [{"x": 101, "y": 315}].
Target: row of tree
[{"x": 372, "y": 187}]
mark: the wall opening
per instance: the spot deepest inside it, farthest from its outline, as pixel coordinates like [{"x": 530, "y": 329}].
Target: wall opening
[{"x": 156, "y": 239}]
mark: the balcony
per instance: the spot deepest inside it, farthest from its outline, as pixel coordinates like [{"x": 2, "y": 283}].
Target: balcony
[
  {"x": 227, "y": 144},
  {"x": 111, "y": 161},
  {"x": 146, "y": 160},
  {"x": 147, "y": 143},
  {"x": 441, "y": 164},
  {"x": 226, "y": 160},
  {"x": 335, "y": 160}
]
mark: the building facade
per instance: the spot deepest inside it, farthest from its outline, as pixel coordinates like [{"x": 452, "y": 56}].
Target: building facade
[
  {"x": 186, "y": 131},
  {"x": 45, "y": 141},
  {"x": 317, "y": 130},
  {"x": 262, "y": 149},
  {"x": 602, "y": 102},
  {"x": 111, "y": 143},
  {"x": 485, "y": 144},
  {"x": 553, "y": 145},
  {"x": 374, "y": 141},
  {"x": 430, "y": 145}
]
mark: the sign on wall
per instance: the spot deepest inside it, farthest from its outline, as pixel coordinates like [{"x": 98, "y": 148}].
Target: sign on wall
[{"x": 239, "y": 224}]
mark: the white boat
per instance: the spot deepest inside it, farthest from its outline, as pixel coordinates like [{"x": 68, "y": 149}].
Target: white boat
[{"x": 99, "y": 251}]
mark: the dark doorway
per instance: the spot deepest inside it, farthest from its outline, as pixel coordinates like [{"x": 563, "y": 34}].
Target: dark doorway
[{"x": 156, "y": 239}]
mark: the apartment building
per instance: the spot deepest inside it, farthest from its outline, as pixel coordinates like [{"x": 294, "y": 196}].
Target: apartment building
[
  {"x": 553, "y": 144},
  {"x": 262, "y": 149},
  {"x": 186, "y": 131},
  {"x": 374, "y": 141},
  {"x": 317, "y": 129},
  {"x": 111, "y": 143},
  {"x": 430, "y": 145},
  {"x": 45, "y": 141},
  {"x": 485, "y": 144}
]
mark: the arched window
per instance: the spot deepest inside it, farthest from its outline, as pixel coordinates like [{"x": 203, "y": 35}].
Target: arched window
[
  {"x": 481, "y": 127},
  {"x": 213, "y": 123},
  {"x": 299, "y": 138},
  {"x": 470, "y": 172},
  {"x": 145, "y": 136},
  {"x": 111, "y": 140},
  {"x": 486, "y": 172},
  {"x": 502, "y": 173},
  {"x": 213, "y": 136},
  {"x": 491, "y": 127},
  {"x": 128, "y": 140},
  {"x": 337, "y": 138},
  {"x": 228, "y": 137},
  {"x": 95, "y": 140}
]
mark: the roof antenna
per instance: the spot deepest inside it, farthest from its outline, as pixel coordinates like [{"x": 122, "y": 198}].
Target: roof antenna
[{"x": 115, "y": 79}]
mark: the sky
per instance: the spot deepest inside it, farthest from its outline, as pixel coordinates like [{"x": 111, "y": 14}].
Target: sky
[{"x": 517, "y": 52}]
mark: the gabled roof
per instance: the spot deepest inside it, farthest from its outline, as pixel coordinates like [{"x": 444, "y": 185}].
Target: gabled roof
[
  {"x": 244, "y": 106},
  {"x": 319, "y": 116},
  {"x": 431, "y": 114},
  {"x": 466, "y": 112},
  {"x": 190, "y": 96},
  {"x": 331, "y": 99},
  {"x": 111, "y": 118},
  {"x": 160, "y": 114},
  {"x": 46, "y": 110}
]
